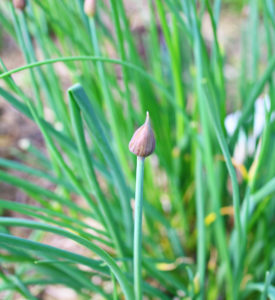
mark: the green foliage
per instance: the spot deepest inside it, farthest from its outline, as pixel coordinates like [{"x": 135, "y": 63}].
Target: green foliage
[{"x": 208, "y": 230}]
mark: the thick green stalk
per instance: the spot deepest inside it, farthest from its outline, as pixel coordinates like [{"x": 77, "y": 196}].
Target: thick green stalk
[
  {"x": 89, "y": 173},
  {"x": 115, "y": 293},
  {"x": 201, "y": 248},
  {"x": 268, "y": 278},
  {"x": 138, "y": 228},
  {"x": 94, "y": 125}
]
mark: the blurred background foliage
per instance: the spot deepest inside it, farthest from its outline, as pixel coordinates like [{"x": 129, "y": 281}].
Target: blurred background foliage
[{"x": 205, "y": 72}]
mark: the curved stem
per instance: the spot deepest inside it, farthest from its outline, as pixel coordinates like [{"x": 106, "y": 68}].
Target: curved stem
[
  {"x": 129, "y": 65},
  {"x": 138, "y": 228}
]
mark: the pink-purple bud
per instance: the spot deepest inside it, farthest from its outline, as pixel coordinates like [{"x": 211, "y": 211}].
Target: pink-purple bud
[
  {"x": 90, "y": 7},
  {"x": 143, "y": 141},
  {"x": 19, "y": 4}
]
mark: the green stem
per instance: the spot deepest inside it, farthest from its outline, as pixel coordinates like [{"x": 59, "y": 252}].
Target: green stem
[
  {"x": 201, "y": 250},
  {"x": 129, "y": 65},
  {"x": 115, "y": 293},
  {"x": 268, "y": 278},
  {"x": 88, "y": 168},
  {"x": 138, "y": 228}
]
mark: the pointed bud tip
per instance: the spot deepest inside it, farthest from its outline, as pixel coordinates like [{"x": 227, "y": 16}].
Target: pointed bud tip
[
  {"x": 147, "y": 120},
  {"x": 19, "y": 4},
  {"x": 90, "y": 7},
  {"x": 143, "y": 141}
]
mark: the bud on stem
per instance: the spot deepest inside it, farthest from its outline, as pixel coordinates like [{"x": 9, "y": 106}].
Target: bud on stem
[
  {"x": 19, "y": 4},
  {"x": 90, "y": 7},
  {"x": 142, "y": 144},
  {"x": 143, "y": 141}
]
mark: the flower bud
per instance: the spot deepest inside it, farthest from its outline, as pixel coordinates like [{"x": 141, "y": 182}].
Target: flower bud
[
  {"x": 143, "y": 141},
  {"x": 19, "y": 4},
  {"x": 89, "y": 7}
]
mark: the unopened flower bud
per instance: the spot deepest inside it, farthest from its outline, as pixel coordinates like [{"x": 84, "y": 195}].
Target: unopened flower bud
[
  {"x": 90, "y": 7},
  {"x": 19, "y": 4},
  {"x": 143, "y": 141}
]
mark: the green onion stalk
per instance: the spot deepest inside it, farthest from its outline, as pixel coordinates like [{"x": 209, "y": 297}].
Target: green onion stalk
[{"x": 142, "y": 145}]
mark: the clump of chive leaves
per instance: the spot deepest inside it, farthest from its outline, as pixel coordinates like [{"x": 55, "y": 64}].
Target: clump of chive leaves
[{"x": 142, "y": 145}]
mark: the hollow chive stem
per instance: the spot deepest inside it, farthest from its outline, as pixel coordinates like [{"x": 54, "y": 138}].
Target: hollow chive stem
[
  {"x": 138, "y": 228},
  {"x": 142, "y": 145}
]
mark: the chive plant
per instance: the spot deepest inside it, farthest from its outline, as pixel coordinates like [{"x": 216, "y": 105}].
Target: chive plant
[
  {"x": 142, "y": 145},
  {"x": 208, "y": 211}
]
